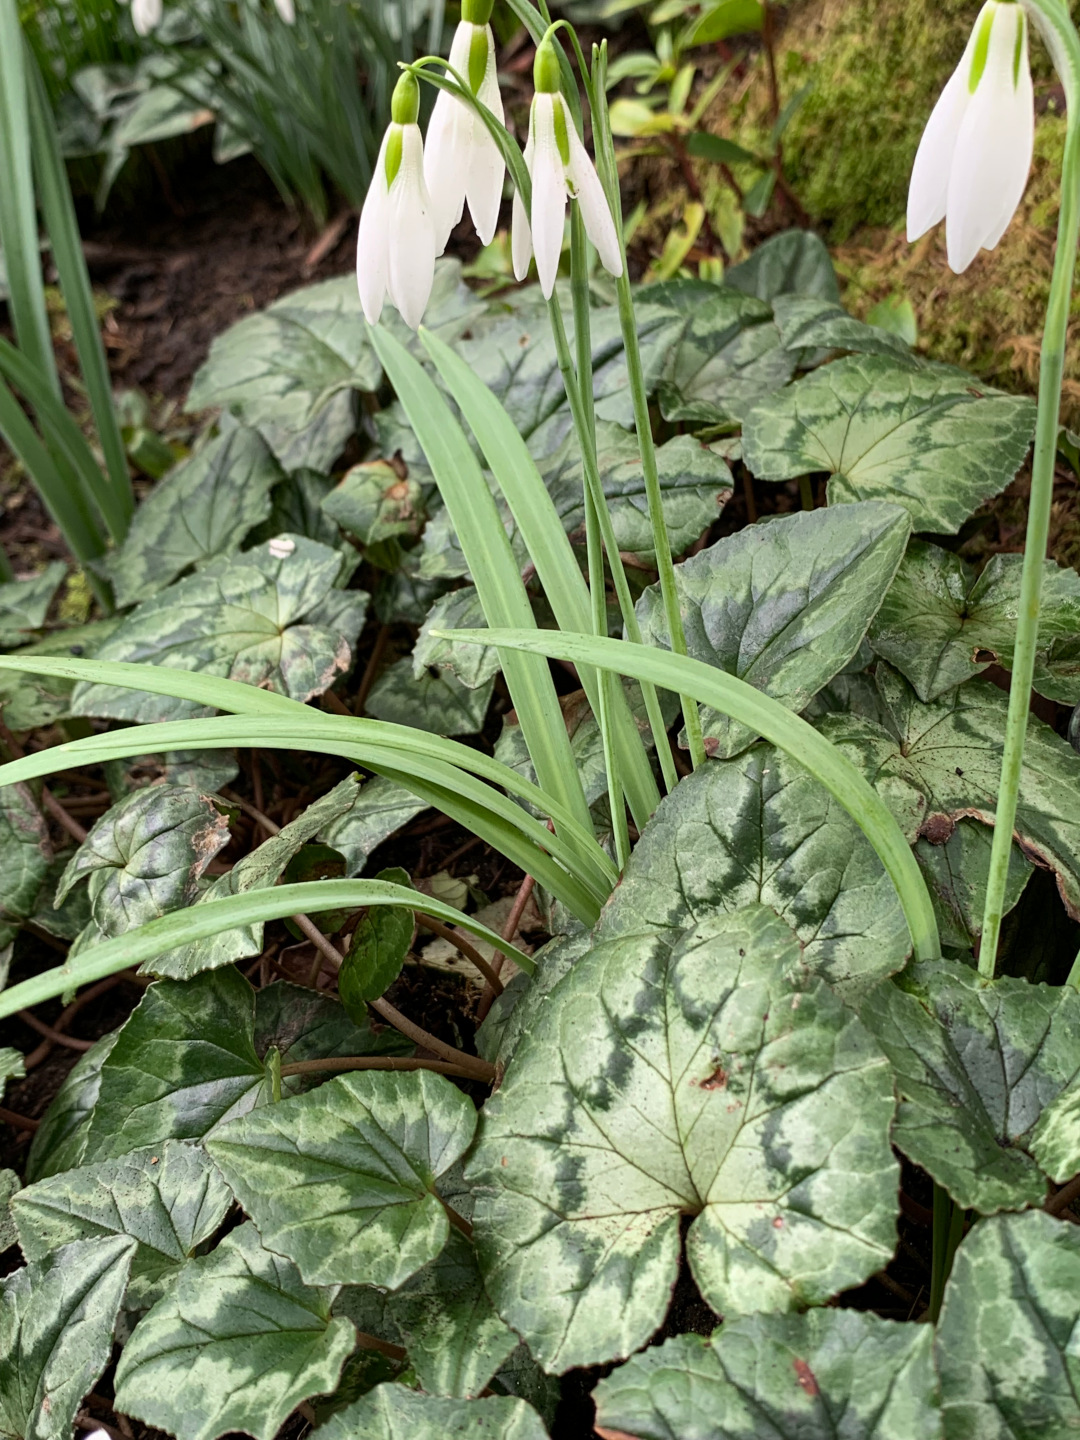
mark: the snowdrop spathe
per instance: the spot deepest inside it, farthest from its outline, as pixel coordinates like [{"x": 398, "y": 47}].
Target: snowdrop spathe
[
  {"x": 975, "y": 154},
  {"x": 461, "y": 160},
  {"x": 396, "y": 244},
  {"x": 559, "y": 166}
]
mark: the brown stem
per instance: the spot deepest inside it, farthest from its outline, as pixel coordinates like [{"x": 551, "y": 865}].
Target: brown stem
[
  {"x": 470, "y": 952},
  {"x": 375, "y": 1062},
  {"x": 458, "y": 1221},
  {"x": 477, "y": 1068},
  {"x": 768, "y": 38},
  {"x": 18, "y": 1122},
  {"x": 509, "y": 931},
  {"x": 384, "y": 1347},
  {"x": 371, "y": 670},
  {"x": 255, "y": 811},
  {"x": 1063, "y": 1198},
  {"x": 68, "y": 1041}
]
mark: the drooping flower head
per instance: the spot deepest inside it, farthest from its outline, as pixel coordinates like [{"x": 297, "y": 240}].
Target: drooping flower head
[
  {"x": 146, "y": 15},
  {"x": 395, "y": 246},
  {"x": 461, "y": 161},
  {"x": 559, "y": 166},
  {"x": 975, "y": 154}
]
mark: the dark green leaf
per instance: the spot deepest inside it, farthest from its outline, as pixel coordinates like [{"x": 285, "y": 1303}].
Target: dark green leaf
[
  {"x": 60, "y": 1141},
  {"x": 783, "y": 606},
  {"x": 303, "y": 1025},
  {"x": 24, "y": 604},
  {"x": 940, "y": 625},
  {"x": 813, "y": 324},
  {"x": 391, "y": 1412},
  {"x": 202, "y": 509},
  {"x": 927, "y": 437},
  {"x": 437, "y": 702},
  {"x": 146, "y": 855},
  {"x": 374, "y": 503},
  {"x": 956, "y": 872},
  {"x": 785, "y": 1376},
  {"x": 56, "y": 1334},
  {"x": 254, "y": 617},
  {"x": 472, "y": 665},
  {"x": 32, "y": 700},
  {"x": 376, "y": 952},
  {"x": 237, "y": 1343},
  {"x": 707, "y": 146},
  {"x": 169, "y": 1200},
  {"x": 25, "y": 852},
  {"x": 727, "y": 17},
  {"x": 342, "y": 1180},
  {"x": 1005, "y": 1348},
  {"x": 718, "y": 1079},
  {"x": 795, "y": 262}
]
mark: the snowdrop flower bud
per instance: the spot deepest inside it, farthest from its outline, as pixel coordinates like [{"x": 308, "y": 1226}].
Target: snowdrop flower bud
[
  {"x": 975, "y": 154},
  {"x": 395, "y": 248},
  {"x": 559, "y": 166},
  {"x": 146, "y": 15},
  {"x": 461, "y": 160},
  {"x": 286, "y": 11}
]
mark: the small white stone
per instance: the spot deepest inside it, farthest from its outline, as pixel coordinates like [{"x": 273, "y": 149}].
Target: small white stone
[{"x": 282, "y": 547}]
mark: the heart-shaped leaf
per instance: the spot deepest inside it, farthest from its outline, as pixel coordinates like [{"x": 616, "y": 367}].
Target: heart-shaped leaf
[
  {"x": 942, "y": 762},
  {"x": 817, "y": 324},
  {"x": 783, "y": 606},
  {"x": 145, "y": 856},
  {"x": 758, "y": 829},
  {"x": 940, "y": 625},
  {"x": 56, "y": 1334},
  {"x": 719, "y": 1079},
  {"x": 437, "y": 701},
  {"x": 978, "y": 1068},
  {"x": 169, "y": 1200},
  {"x": 374, "y": 503},
  {"x": 391, "y": 1412},
  {"x": 25, "y": 853},
  {"x": 795, "y": 262},
  {"x": 256, "y": 617},
  {"x": 779, "y": 1375},
  {"x": 381, "y": 808},
  {"x": 376, "y": 951},
  {"x": 342, "y": 1180},
  {"x": 24, "y": 604},
  {"x": 926, "y": 437},
  {"x": 236, "y": 1344},
  {"x": 1006, "y": 1341},
  {"x": 956, "y": 865},
  {"x": 202, "y": 509}
]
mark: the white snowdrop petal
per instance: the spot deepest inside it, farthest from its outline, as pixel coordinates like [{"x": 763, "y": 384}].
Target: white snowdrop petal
[
  {"x": 548, "y": 195},
  {"x": 146, "y": 15},
  {"x": 993, "y": 149},
  {"x": 520, "y": 229},
  {"x": 371, "y": 244},
  {"x": 595, "y": 211},
  {"x": 486, "y": 167},
  {"x": 445, "y": 168},
  {"x": 412, "y": 240},
  {"x": 286, "y": 11},
  {"x": 929, "y": 188}
]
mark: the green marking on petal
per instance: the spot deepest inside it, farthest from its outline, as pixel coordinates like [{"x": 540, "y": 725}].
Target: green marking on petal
[
  {"x": 392, "y": 160},
  {"x": 478, "y": 57},
  {"x": 1018, "y": 52},
  {"x": 562, "y": 139},
  {"x": 477, "y": 12},
  {"x": 982, "y": 48}
]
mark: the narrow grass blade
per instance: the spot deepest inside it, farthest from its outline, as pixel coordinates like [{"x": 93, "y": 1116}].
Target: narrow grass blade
[
  {"x": 198, "y": 922},
  {"x": 495, "y": 573},
  {"x": 767, "y": 717}
]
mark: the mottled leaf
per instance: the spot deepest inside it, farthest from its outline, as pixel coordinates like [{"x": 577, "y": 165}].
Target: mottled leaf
[
  {"x": 795, "y": 262},
  {"x": 391, "y": 1412},
  {"x": 437, "y": 701},
  {"x": 254, "y": 617},
  {"x": 940, "y": 625},
  {"x": 59, "y": 1142},
  {"x": 978, "y": 1067},
  {"x": 314, "y": 447},
  {"x": 760, "y": 829},
  {"x": 717, "y": 1079},
  {"x": 202, "y": 509},
  {"x": 24, "y": 604},
  {"x": 381, "y": 808},
  {"x": 374, "y": 503},
  {"x": 146, "y": 855},
  {"x": 1007, "y": 1339},
  {"x": 29, "y": 701},
  {"x": 56, "y": 1334},
  {"x": 304, "y": 1025},
  {"x": 817, "y": 324},
  {"x": 929, "y": 438},
  {"x": 955, "y": 866},
  {"x": 376, "y": 951},
  {"x": 257, "y": 870},
  {"x": 789, "y": 1376},
  {"x": 9, "y": 1187},
  {"x": 783, "y": 606},
  {"x": 25, "y": 853},
  {"x": 342, "y": 1180},
  {"x": 237, "y": 1343},
  {"x": 170, "y": 1200},
  {"x": 942, "y": 761},
  {"x": 473, "y": 665}
]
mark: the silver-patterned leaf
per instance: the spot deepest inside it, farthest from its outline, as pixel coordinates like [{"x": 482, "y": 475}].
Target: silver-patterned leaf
[
  {"x": 717, "y": 1078},
  {"x": 380, "y": 809},
  {"x": 807, "y": 323},
  {"x": 956, "y": 866},
  {"x": 473, "y": 665},
  {"x": 391, "y": 1412},
  {"x": 437, "y": 701},
  {"x": 24, "y": 604},
  {"x": 25, "y": 853}
]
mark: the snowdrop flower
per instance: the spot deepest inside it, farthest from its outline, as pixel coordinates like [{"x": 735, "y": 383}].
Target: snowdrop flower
[
  {"x": 286, "y": 11},
  {"x": 396, "y": 246},
  {"x": 559, "y": 166},
  {"x": 975, "y": 154},
  {"x": 461, "y": 160},
  {"x": 146, "y": 15}
]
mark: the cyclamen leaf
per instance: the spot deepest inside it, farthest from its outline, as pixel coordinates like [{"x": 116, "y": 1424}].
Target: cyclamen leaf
[
  {"x": 59, "y": 1142},
  {"x": 823, "y": 324},
  {"x": 56, "y": 1334},
  {"x": 9, "y": 1188},
  {"x": 783, "y": 606},
  {"x": 169, "y": 1200},
  {"x": 438, "y": 703},
  {"x": 376, "y": 951},
  {"x": 956, "y": 872},
  {"x": 979, "y": 1067},
  {"x": 24, "y": 604},
  {"x": 940, "y": 625},
  {"x": 794, "y": 1374},
  {"x": 32, "y": 700},
  {"x": 927, "y": 437},
  {"x": 381, "y": 808},
  {"x": 255, "y": 617},
  {"x": 12, "y": 1066},
  {"x": 25, "y": 852},
  {"x": 795, "y": 262},
  {"x": 1006, "y": 1342},
  {"x": 717, "y": 1079},
  {"x": 391, "y": 1412},
  {"x": 237, "y": 1343},
  {"x": 342, "y": 1180},
  {"x": 374, "y": 503},
  {"x": 200, "y": 510},
  {"x": 145, "y": 856},
  {"x": 257, "y": 870},
  {"x": 758, "y": 829},
  {"x": 942, "y": 762},
  {"x": 472, "y": 665}
]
